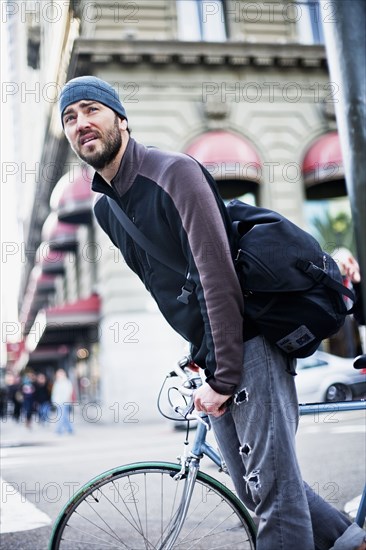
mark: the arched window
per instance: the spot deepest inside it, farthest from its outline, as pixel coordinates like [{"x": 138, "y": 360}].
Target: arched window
[{"x": 231, "y": 160}]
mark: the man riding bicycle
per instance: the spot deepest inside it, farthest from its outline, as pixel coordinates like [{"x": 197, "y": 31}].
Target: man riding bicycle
[{"x": 249, "y": 385}]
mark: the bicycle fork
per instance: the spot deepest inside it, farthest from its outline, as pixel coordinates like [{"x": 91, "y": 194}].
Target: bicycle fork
[{"x": 181, "y": 513}]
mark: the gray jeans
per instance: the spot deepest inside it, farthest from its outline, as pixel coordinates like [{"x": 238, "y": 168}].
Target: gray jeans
[{"x": 256, "y": 436}]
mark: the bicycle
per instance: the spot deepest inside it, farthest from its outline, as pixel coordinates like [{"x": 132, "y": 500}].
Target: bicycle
[{"x": 164, "y": 506}]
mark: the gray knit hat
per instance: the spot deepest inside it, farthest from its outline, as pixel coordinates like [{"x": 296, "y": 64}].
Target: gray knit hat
[{"x": 90, "y": 87}]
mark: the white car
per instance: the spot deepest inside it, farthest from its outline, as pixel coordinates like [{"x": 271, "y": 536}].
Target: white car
[{"x": 325, "y": 377}]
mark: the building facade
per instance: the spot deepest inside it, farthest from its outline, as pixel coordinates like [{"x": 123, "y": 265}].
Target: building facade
[{"x": 242, "y": 86}]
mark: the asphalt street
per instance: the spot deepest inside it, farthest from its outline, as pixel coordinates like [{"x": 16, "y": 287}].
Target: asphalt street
[{"x": 40, "y": 469}]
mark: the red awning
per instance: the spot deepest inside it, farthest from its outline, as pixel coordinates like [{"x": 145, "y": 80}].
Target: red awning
[
  {"x": 67, "y": 324},
  {"x": 85, "y": 309},
  {"x": 60, "y": 236},
  {"x": 45, "y": 284},
  {"x": 227, "y": 156},
  {"x": 51, "y": 261},
  {"x": 72, "y": 197},
  {"x": 39, "y": 286},
  {"x": 323, "y": 160},
  {"x": 47, "y": 354},
  {"x": 43, "y": 356},
  {"x": 14, "y": 351}
]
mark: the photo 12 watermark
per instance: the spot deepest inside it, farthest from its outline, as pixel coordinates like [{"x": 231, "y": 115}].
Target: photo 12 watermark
[
  {"x": 270, "y": 92},
  {"x": 87, "y": 11},
  {"x": 49, "y": 92}
]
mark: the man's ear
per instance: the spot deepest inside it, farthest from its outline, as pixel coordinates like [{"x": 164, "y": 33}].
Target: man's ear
[{"x": 123, "y": 124}]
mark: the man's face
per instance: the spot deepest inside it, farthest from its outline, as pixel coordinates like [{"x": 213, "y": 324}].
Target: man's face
[{"x": 94, "y": 132}]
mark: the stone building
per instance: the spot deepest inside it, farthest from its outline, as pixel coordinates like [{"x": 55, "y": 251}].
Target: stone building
[{"x": 242, "y": 86}]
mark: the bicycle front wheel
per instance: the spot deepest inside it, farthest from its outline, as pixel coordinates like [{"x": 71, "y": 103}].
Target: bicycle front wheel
[{"x": 134, "y": 507}]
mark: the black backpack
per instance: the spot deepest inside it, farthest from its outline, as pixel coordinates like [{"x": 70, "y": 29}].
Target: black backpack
[{"x": 293, "y": 290}]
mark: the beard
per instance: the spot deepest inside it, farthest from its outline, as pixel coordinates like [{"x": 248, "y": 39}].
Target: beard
[{"x": 111, "y": 145}]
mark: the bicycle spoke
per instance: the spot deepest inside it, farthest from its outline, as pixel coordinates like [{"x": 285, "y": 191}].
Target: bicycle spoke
[
  {"x": 213, "y": 532},
  {"x": 73, "y": 527},
  {"x": 97, "y": 526},
  {"x": 146, "y": 508},
  {"x": 135, "y": 503},
  {"x": 105, "y": 523},
  {"x": 134, "y": 523}
]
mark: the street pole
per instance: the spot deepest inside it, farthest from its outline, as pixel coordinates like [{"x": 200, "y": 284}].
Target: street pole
[{"x": 344, "y": 25}]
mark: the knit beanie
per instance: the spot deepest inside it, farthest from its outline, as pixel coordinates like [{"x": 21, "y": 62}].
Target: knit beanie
[{"x": 90, "y": 88}]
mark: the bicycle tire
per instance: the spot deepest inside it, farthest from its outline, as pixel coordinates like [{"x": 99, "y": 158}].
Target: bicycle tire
[{"x": 125, "y": 508}]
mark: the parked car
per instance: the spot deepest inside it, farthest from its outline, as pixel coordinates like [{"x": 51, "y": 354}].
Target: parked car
[{"x": 326, "y": 377}]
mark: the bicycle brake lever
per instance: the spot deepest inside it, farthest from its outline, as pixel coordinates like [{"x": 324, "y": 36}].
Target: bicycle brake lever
[
  {"x": 186, "y": 411},
  {"x": 189, "y": 414},
  {"x": 197, "y": 416}
]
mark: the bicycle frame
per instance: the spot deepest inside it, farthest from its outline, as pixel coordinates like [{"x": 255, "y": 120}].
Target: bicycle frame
[
  {"x": 186, "y": 475},
  {"x": 200, "y": 447}
]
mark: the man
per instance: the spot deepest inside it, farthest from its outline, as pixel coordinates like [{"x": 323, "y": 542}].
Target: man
[
  {"x": 248, "y": 388},
  {"x": 62, "y": 399}
]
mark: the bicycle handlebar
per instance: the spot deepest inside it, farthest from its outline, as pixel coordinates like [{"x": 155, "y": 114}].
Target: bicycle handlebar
[{"x": 191, "y": 381}]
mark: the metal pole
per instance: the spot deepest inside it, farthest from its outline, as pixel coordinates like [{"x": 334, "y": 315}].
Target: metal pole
[{"x": 344, "y": 25}]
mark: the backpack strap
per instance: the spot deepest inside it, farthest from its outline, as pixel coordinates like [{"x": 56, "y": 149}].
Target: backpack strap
[
  {"x": 232, "y": 237},
  {"x": 164, "y": 256},
  {"x": 322, "y": 277}
]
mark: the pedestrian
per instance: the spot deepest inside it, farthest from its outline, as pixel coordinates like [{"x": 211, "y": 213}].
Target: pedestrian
[
  {"x": 62, "y": 399},
  {"x": 350, "y": 270},
  {"x": 42, "y": 397},
  {"x": 4, "y": 396},
  {"x": 15, "y": 396},
  {"x": 248, "y": 387},
  {"x": 28, "y": 389}
]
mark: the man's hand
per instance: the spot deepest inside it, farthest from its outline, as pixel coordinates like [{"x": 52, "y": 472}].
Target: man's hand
[
  {"x": 348, "y": 264},
  {"x": 209, "y": 401}
]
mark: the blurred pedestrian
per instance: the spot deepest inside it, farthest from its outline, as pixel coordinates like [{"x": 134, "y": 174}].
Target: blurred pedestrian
[
  {"x": 352, "y": 277},
  {"x": 28, "y": 389},
  {"x": 3, "y": 400},
  {"x": 62, "y": 398},
  {"x": 15, "y": 396},
  {"x": 42, "y": 397}
]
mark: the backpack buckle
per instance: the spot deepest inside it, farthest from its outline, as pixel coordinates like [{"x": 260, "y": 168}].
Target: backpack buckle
[{"x": 187, "y": 290}]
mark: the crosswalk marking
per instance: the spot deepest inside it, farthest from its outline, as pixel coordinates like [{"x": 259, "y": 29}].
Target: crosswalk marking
[
  {"x": 17, "y": 513},
  {"x": 334, "y": 429}
]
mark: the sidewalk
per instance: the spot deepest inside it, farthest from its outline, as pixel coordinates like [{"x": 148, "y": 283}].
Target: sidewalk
[
  {"x": 125, "y": 441},
  {"x": 16, "y": 434}
]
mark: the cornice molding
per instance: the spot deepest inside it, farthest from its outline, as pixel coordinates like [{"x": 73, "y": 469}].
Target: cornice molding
[{"x": 213, "y": 54}]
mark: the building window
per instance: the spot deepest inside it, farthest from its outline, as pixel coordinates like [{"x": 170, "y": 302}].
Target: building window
[
  {"x": 309, "y": 22},
  {"x": 201, "y": 20},
  {"x": 33, "y": 47}
]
